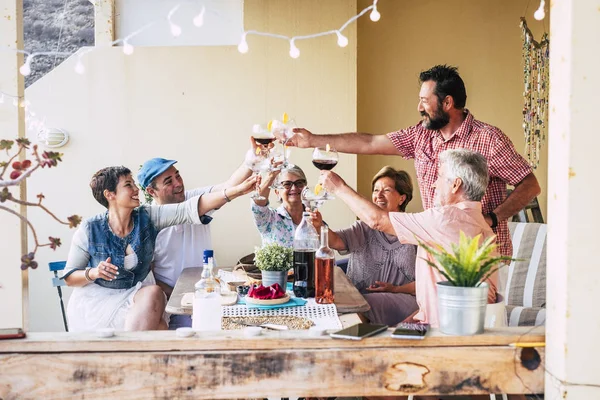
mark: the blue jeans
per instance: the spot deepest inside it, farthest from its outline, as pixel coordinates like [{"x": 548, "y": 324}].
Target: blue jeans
[{"x": 180, "y": 321}]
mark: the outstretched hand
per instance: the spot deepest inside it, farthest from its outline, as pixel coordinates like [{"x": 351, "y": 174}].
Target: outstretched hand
[
  {"x": 316, "y": 218},
  {"x": 247, "y": 185},
  {"x": 331, "y": 181},
  {"x": 302, "y": 138}
]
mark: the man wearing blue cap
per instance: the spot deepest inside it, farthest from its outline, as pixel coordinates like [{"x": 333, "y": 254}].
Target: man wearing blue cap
[{"x": 181, "y": 246}]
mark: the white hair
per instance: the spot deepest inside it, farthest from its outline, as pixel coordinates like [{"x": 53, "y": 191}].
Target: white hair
[{"x": 471, "y": 167}]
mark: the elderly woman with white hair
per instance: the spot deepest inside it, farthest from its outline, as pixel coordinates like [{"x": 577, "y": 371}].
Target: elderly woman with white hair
[{"x": 278, "y": 225}]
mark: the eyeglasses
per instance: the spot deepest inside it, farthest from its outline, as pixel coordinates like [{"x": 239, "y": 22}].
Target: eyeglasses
[{"x": 287, "y": 185}]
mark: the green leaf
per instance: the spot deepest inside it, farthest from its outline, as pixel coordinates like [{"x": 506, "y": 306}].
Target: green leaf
[{"x": 468, "y": 262}]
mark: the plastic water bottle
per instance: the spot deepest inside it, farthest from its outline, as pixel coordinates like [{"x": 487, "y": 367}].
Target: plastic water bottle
[{"x": 206, "y": 311}]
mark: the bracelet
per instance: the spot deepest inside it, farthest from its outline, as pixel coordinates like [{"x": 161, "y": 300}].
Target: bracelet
[
  {"x": 87, "y": 274},
  {"x": 225, "y": 195},
  {"x": 494, "y": 219}
]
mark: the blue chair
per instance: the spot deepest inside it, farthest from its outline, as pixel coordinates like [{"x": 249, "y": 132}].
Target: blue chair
[{"x": 57, "y": 283}]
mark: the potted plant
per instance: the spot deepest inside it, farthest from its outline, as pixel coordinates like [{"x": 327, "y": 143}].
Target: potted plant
[
  {"x": 462, "y": 299},
  {"x": 274, "y": 261}
]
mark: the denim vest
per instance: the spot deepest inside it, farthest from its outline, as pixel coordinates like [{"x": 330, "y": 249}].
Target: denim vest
[{"x": 103, "y": 244}]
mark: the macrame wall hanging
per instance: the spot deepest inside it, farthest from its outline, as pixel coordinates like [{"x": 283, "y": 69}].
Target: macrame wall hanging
[{"x": 536, "y": 76}]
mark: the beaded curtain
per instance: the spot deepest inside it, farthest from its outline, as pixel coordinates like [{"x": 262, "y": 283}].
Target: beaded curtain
[{"x": 536, "y": 76}]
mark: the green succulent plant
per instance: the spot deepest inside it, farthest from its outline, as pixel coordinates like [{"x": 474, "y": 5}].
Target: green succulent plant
[
  {"x": 469, "y": 263},
  {"x": 274, "y": 257}
]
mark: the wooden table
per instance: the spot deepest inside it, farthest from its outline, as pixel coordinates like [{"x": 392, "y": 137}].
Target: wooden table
[
  {"x": 347, "y": 298},
  {"x": 224, "y": 364}
]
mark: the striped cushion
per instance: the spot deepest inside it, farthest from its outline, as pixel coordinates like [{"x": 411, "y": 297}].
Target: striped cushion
[
  {"x": 526, "y": 284},
  {"x": 526, "y": 316}
]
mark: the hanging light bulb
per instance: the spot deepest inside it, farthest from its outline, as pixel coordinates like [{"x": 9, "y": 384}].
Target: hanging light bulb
[
  {"x": 199, "y": 19},
  {"x": 175, "y": 30},
  {"x": 127, "y": 48},
  {"x": 26, "y": 68},
  {"x": 79, "y": 67},
  {"x": 15, "y": 102},
  {"x": 294, "y": 51},
  {"x": 243, "y": 46},
  {"x": 1, "y": 98},
  {"x": 540, "y": 14},
  {"x": 374, "y": 13},
  {"x": 342, "y": 40}
]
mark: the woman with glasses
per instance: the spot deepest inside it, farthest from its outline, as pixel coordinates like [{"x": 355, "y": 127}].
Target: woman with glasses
[
  {"x": 381, "y": 267},
  {"x": 278, "y": 225}
]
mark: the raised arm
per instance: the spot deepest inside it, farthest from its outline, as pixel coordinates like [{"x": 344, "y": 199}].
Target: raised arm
[
  {"x": 335, "y": 241},
  {"x": 369, "y": 213},
  {"x": 239, "y": 175},
  {"x": 352, "y": 143},
  {"x": 218, "y": 198}
]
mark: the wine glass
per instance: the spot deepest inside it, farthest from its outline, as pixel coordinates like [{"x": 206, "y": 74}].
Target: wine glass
[
  {"x": 324, "y": 158},
  {"x": 314, "y": 200},
  {"x": 263, "y": 137},
  {"x": 284, "y": 131},
  {"x": 258, "y": 162}
]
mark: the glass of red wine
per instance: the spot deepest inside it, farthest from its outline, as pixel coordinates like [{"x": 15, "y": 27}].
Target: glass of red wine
[
  {"x": 263, "y": 137},
  {"x": 324, "y": 158}
]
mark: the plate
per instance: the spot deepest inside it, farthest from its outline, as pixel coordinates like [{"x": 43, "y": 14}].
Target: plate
[
  {"x": 229, "y": 299},
  {"x": 267, "y": 302}
]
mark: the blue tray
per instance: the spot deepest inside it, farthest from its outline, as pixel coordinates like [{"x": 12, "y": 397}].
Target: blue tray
[{"x": 294, "y": 302}]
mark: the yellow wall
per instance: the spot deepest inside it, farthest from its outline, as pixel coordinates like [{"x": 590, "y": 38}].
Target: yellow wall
[
  {"x": 482, "y": 38},
  {"x": 196, "y": 105}
]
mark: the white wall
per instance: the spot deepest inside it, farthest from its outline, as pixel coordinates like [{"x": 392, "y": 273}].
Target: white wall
[
  {"x": 196, "y": 105},
  {"x": 223, "y": 22}
]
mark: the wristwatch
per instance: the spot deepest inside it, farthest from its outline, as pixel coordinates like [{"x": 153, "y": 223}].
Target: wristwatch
[{"x": 494, "y": 219}]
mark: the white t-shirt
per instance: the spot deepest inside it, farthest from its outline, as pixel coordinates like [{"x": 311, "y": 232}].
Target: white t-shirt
[{"x": 181, "y": 246}]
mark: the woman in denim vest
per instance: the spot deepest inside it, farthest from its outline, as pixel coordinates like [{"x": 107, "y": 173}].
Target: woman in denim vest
[{"x": 110, "y": 255}]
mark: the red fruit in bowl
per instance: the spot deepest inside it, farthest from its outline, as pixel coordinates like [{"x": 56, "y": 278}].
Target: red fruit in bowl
[
  {"x": 266, "y": 293},
  {"x": 15, "y": 174},
  {"x": 26, "y": 164},
  {"x": 16, "y": 165}
]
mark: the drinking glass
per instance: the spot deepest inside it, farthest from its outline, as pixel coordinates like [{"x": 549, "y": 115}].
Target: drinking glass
[
  {"x": 284, "y": 132},
  {"x": 258, "y": 162}
]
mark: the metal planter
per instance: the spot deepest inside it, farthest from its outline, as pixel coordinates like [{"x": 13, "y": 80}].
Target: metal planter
[
  {"x": 271, "y": 277},
  {"x": 461, "y": 309}
]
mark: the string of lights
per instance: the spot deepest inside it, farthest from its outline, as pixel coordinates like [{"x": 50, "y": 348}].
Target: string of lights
[{"x": 176, "y": 31}]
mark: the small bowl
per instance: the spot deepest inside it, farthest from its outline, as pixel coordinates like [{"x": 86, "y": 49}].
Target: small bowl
[
  {"x": 105, "y": 332},
  {"x": 184, "y": 332},
  {"x": 242, "y": 290},
  {"x": 251, "y": 331},
  {"x": 234, "y": 285}
]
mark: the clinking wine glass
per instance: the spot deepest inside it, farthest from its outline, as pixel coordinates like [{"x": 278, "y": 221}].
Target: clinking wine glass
[
  {"x": 284, "y": 131},
  {"x": 258, "y": 162},
  {"x": 324, "y": 158},
  {"x": 263, "y": 137}
]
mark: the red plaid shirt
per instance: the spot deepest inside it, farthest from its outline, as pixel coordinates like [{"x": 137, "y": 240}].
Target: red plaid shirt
[{"x": 504, "y": 163}]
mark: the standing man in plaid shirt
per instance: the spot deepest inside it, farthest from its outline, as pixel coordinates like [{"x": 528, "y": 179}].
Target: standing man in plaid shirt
[{"x": 447, "y": 124}]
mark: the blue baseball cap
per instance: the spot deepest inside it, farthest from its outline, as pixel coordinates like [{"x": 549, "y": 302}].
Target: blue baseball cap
[{"x": 151, "y": 169}]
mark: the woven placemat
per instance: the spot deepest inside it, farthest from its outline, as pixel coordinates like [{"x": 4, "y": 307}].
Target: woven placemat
[{"x": 292, "y": 322}]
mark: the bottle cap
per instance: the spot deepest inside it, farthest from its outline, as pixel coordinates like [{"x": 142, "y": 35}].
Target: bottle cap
[{"x": 207, "y": 254}]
